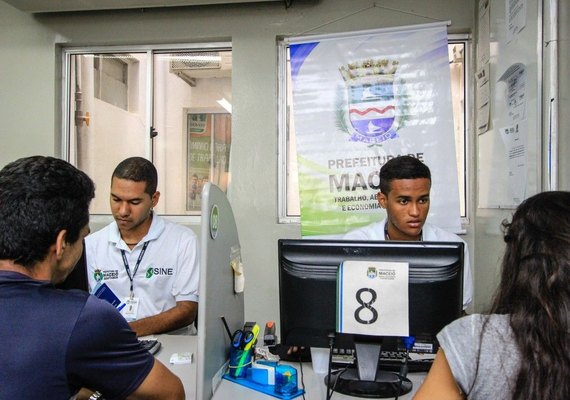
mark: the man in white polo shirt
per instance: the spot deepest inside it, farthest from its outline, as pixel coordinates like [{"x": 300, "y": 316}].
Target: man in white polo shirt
[
  {"x": 405, "y": 184},
  {"x": 148, "y": 262}
]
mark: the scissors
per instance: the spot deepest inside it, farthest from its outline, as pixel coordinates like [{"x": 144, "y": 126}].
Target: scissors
[{"x": 243, "y": 340}]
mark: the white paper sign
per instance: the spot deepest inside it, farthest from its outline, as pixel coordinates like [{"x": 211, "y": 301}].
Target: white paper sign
[
  {"x": 516, "y": 18},
  {"x": 372, "y": 298},
  {"x": 483, "y": 90},
  {"x": 514, "y": 138},
  {"x": 515, "y": 77}
]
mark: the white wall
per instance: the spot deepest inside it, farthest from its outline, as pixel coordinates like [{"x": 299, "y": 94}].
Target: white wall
[
  {"x": 28, "y": 92},
  {"x": 27, "y": 82}
]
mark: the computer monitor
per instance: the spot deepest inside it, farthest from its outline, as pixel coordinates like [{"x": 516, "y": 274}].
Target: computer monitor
[
  {"x": 307, "y": 295},
  {"x": 219, "y": 247}
]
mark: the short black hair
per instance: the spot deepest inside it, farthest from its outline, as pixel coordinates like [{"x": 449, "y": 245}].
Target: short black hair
[
  {"x": 39, "y": 197},
  {"x": 402, "y": 167},
  {"x": 138, "y": 169}
]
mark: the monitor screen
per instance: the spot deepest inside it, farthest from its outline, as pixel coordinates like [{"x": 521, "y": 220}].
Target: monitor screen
[{"x": 307, "y": 282}]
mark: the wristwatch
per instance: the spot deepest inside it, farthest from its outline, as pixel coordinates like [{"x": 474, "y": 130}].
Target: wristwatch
[{"x": 96, "y": 396}]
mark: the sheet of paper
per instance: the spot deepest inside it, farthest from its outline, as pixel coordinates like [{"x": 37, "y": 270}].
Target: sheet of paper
[
  {"x": 515, "y": 77},
  {"x": 483, "y": 105},
  {"x": 516, "y": 17},
  {"x": 181, "y": 358},
  {"x": 514, "y": 138},
  {"x": 483, "y": 30},
  {"x": 373, "y": 298}
]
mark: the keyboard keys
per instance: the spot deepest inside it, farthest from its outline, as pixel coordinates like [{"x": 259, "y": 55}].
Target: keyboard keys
[{"x": 389, "y": 360}]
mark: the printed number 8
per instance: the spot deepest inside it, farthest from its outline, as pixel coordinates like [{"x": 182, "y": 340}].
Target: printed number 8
[{"x": 367, "y": 305}]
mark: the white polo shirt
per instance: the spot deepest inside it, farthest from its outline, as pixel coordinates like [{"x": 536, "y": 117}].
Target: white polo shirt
[
  {"x": 430, "y": 233},
  {"x": 168, "y": 271}
]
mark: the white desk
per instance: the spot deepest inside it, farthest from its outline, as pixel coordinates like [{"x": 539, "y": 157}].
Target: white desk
[
  {"x": 315, "y": 388},
  {"x": 171, "y": 344},
  {"x": 314, "y": 383}
]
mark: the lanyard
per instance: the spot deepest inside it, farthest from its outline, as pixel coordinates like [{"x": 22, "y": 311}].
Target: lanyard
[{"x": 126, "y": 263}]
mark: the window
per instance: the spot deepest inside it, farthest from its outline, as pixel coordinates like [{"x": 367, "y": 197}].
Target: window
[
  {"x": 111, "y": 80},
  {"x": 289, "y": 208},
  {"x": 169, "y": 105}
]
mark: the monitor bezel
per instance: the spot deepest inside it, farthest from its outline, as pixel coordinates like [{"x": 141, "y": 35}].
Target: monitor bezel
[{"x": 357, "y": 250}]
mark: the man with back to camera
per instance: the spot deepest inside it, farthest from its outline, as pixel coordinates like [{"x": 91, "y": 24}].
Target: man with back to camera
[
  {"x": 405, "y": 184},
  {"x": 150, "y": 263},
  {"x": 55, "y": 342}
]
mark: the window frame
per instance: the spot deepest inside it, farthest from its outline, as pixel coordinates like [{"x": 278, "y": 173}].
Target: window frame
[{"x": 150, "y": 50}]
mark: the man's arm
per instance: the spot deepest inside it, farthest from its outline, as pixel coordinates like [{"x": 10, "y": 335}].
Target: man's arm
[
  {"x": 179, "y": 316},
  {"x": 103, "y": 355},
  {"x": 160, "y": 383}
]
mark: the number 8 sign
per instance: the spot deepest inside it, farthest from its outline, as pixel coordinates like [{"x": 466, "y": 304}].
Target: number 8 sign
[{"x": 372, "y": 298}]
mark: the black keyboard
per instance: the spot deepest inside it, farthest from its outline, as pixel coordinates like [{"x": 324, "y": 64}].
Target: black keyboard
[
  {"x": 152, "y": 345},
  {"x": 393, "y": 361},
  {"x": 389, "y": 360}
]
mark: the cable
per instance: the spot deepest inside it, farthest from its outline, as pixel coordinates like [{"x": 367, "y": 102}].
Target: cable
[
  {"x": 339, "y": 374},
  {"x": 408, "y": 344},
  {"x": 374, "y": 5},
  {"x": 302, "y": 375},
  {"x": 402, "y": 375},
  {"x": 331, "y": 337}
]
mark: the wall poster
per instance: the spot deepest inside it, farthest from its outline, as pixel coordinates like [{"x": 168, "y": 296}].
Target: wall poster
[{"x": 208, "y": 144}]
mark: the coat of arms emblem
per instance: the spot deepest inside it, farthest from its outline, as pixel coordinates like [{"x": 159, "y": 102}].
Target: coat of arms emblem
[{"x": 371, "y": 101}]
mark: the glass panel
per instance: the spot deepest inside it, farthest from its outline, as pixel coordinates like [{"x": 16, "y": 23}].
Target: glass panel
[
  {"x": 111, "y": 96},
  {"x": 457, "y": 73},
  {"x": 199, "y": 134},
  {"x": 108, "y": 115},
  {"x": 111, "y": 76},
  {"x": 192, "y": 118},
  {"x": 209, "y": 141},
  {"x": 220, "y": 174},
  {"x": 293, "y": 204}
]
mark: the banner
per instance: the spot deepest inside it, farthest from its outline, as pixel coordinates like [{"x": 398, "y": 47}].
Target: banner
[{"x": 360, "y": 100}]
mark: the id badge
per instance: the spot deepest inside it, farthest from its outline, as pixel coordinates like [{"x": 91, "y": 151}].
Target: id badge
[{"x": 131, "y": 308}]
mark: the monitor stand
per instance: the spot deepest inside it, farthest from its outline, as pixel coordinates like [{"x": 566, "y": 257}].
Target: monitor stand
[{"x": 367, "y": 380}]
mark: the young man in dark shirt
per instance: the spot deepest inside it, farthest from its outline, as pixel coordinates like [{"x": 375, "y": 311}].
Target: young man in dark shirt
[{"x": 56, "y": 342}]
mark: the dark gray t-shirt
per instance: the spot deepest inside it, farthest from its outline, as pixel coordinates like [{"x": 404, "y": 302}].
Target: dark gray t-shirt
[{"x": 485, "y": 366}]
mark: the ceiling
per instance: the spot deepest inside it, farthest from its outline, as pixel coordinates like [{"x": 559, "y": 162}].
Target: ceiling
[{"x": 39, "y": 6}]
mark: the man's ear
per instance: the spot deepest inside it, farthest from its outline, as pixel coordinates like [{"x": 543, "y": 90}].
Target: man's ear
[
  {"x": 382, "y": 199},
  {"x": 60, "y": 243},
  {"x": 155, "y": 198}
]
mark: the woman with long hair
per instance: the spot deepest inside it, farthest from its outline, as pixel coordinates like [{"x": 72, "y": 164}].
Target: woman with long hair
[{"x": 521, "y": 348}]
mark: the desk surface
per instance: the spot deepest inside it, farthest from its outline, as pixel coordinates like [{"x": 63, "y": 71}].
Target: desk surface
[
  {"x": 314, "y": 387},
  {"x": 171, "y": 344},
  {"x": 314, "y": 383}
]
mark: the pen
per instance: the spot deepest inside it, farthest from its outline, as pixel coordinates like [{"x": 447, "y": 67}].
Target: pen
[{"x": 227, "y": 327}]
